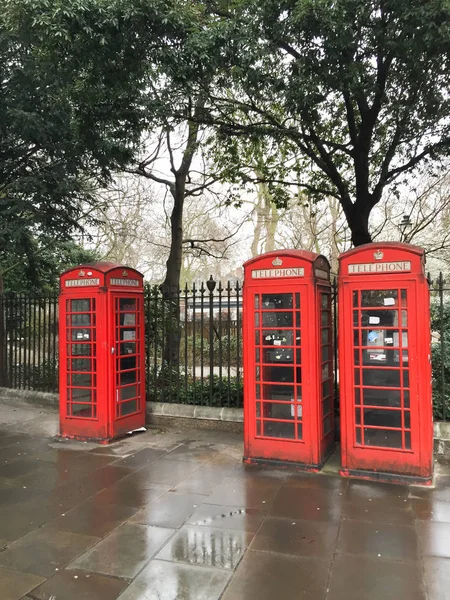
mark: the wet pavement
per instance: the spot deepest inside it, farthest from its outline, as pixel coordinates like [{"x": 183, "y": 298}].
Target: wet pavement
[{"x": 168, "y": 515}]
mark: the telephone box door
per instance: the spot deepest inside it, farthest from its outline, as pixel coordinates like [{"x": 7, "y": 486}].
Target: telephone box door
[
  {"x": 281, "y": 423},
  {"x": 384, "y": 414},
  {"x": 127, "y": 351}
]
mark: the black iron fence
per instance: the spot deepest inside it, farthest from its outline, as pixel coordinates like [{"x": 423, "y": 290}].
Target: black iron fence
[{"x": 193, "y": 344}]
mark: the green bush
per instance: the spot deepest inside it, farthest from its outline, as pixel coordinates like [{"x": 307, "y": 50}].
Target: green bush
[
  {"x": 172, "y": 387},
  {"x": 441, "y": 394}
]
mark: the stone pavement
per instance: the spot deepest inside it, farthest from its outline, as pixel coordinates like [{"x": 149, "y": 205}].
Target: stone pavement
[{"x": 177, "y": 516}]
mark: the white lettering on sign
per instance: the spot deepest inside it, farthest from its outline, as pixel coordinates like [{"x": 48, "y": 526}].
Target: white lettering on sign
[
  {"x": 82, "y": 282},
  {"x": 292, "y": 272},
  {"x": 384, "y": 267},
  {"x": 321, "y": 274},
  {"x": 130, "y": 282}
]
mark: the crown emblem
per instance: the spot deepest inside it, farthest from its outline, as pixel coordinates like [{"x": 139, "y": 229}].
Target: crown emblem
[
  {"x": 81, "y": 274},
  {"x": 378, "y": 255},
  {"x": 89, "y": 273},
  {"x": 277, "y": 262},
  {"x": 124, "y": 273}
]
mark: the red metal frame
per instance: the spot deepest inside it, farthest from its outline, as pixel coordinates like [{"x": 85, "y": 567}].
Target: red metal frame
[
  {"x": 384, "y": 363},
  {"x": 102, "y": 354},
  {"x": 288, "y": 369}
]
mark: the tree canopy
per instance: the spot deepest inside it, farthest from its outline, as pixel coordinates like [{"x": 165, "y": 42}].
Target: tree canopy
[
  {"x": 73, "y": 75},
  {"x": 360, "y": 89}
]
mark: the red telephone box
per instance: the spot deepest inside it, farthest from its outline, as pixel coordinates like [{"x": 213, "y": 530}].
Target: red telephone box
[
  {"x": 288, "y": 359},
  {"x": 384, "y": 363},
  {"x": 101, "y": 343}
]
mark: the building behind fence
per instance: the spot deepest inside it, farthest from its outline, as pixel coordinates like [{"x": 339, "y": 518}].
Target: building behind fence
[{"x": 193, "y": 344}]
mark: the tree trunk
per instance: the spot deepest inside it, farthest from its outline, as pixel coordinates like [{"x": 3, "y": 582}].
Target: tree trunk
[
  {"x": 171, "y": 285},
  {"x": 3, "y": 370},
  {"x": 358, "y": 222}
]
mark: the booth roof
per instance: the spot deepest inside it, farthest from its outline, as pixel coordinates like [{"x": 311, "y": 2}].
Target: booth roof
[{"x": 303, "y": 254}]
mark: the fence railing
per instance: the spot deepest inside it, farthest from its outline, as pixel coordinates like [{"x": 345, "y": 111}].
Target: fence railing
[{"x": 193, "y": 344}]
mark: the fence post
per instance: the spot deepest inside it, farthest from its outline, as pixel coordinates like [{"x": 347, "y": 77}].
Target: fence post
[
  {"x": 211, "y": 284},
  {"x": 441, "y": 329},
  {"x": 3, "y": 343}
]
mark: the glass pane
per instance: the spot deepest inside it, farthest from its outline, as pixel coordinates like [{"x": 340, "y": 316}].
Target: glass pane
[
  {"x": 326, "y": 406},
  {"x": 277, "y": 301},
  {"x": 355, "y": 298},
  {"x": 81, "y": 395},
  {"x": 407, "y": 440},
  {"x": 128, "y": 407},
  {"x": 257, "y": 355},
  {"x": 128, "y": 319},
  {"x": 127, "y": 348},
  {"x": 299, "y": 431},
  {"x": 82, "y": 410},
  {"x": 327, "y": 425},
  {"x": 297, "y": 319},
  {"x": 128, "y": 377},
  {"x": 297, "y": 337},
  {"x": 258, "y": 391},
  {"x": 358, "y": 416},
  {"x": 257, "y": 319},
  {"x": 326, "y": 388},
  {"x": 356, "y": 339},
  {"x": 325, "y": 318},
  {"x": 382, "y": 418},
  {"x": 379, "y": 298},
  {"x": 325, "y": 371},
  {"x": 80, "y": 320},
  {"x": 278, "y": 355},
  {"x": 279, "y": 430},
  {"x": 256, "y": 304},
  {"x": 356, "y": 357},
  {"x": 127, "y": 304},
  {"x": 381, "y": 377},
  {"x": 381, "y": 397},
  {"x": 278, "y": 338},
  {"x": 81, "y": 364},
  {"x": 407, "y": 419},
  {"x": 357, "y": 396},
  {"x": 258, "y": 428},
  {"x": 297, "y": 300},
  {"x": 257, "y": 338},
  {"x": 325, "y": 336},
  {"x": 404, "y": 318},
  {"x": 80, "y": 305},
  {"x": 384, "y": 438},
  {"x": 405, "y": 378},
  {"x": 128, "y": 392},
  {"x": 279, "y": 374},
  {"x": 79, "y": 335},
  {"x": 80, "y": 349},
  {"x": 358, "y": 436},
  {"x": 279, "y": 392},
  {"x": 277, "y": 319},
  {"x": 127, "y": 363},
  {"x": 383, "y": 318},
  {"x": 406, "y": 398},
  {"x": 324, "y": 300},
  {"x": 325, "y": 353},
  {"x": 82, "y": 379},
  {"x": 357, "y": 376},
  {"x": 258, "y": 409},
  {"x": 403, "y": 297},
  {"x": 284, "y": 411},
  {"x": 298, "y": 356},
  {"x": 356, "y": 322}
]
